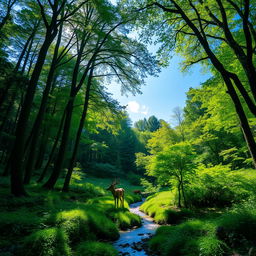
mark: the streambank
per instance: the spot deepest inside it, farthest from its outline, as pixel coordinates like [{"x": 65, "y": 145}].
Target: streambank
[{"x": 132, "y": 242}]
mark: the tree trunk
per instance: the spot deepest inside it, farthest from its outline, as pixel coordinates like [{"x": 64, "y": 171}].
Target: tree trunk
[
  {"x": 179, "y": 195},
  {"x": 27, "y": 56},
  {"x": 63, "y": 146},
  {"x": 243, "y": 120},
  {"x": 27, "y": 44},
  {"x": 42, "y": 150},
  {"x": 41, "y": 112},
  {"x": 78, "y": 135},
  {"x": 5, "y": 19},
  {"x": 53, "y": 149},
  {"x": 182, "y": 189},
  {"x": 17, "y": 187}
]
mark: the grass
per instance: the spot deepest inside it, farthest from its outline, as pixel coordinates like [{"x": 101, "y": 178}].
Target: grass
[
  {"x": 92, "y": 248},
  {"x": 55, "y": 223},
  {"x": 123, "y": 218},
  {"x": 161, "y": 207},
  {"x": 47, "y": 242},
  {"x": 191, "y": 238},
  {"x": 210, "y": 234}
]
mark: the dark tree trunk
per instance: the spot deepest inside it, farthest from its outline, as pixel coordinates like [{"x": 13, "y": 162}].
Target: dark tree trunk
[
  {"x": 182, "y": 189},
  {"x": 5, "y": 19},
  {"x": 63, "y": 146},
  {"x": 17, "y": 187},
  {"x": 41, "y": 112},
  {"x": 42, "y": 150},
  {"x": 27, "y": 44},
  {"x": 243, "y": 120},
  {"x": 53, "y": 149},
  {"x": 78, "y": 135},
  {"x": 179, "y": 195},
  {"x": 6, "y": 115},
  {"x": 27, "y": 56}
]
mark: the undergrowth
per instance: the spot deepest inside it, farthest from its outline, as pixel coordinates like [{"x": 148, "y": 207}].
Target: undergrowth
[
  {"x": 52, "y": 223},
  {"x": 221, "y": 220}
]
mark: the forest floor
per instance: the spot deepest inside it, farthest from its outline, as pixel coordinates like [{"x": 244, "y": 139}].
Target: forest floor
[
  {"x": 52, "y": 223},
  {"x": 229, "y": 231},
  {"x": 84, "y": 222}
]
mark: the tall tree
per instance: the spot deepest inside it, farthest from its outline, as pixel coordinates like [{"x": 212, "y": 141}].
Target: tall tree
[
  {"x": 52, "y": 24},
  {"x": 208, "y": 26}
]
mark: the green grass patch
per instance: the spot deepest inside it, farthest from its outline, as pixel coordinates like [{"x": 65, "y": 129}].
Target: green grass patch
[
  {"x": 55, "y": 223},
  {"x": 161, "y": 207},
  {"x": 91, "y": 248},
  {"x": 47, "y": 242},
  {"x": 191, "y": 238},
  {"x": 123, "y": 218},
  {"x": 211, "y": 235}
]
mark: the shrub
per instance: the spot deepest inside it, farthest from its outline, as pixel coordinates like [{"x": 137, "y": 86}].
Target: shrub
[
  {"x": 218, "y": 186},
  {"x": 134, "y": 178},
  {"x": 47, "y": 242},
  {"x": 96, "y": 249},
  {"x": 19, "y": 222},
  {"x": 191, "y": 238},
  {"x": 239, "y": 224},
  {"x": 149, "y": 187},
  {"x": 86, "y": 190},
  {"x": 104, "y": 170},
  {"x": 174, "y": 216}
]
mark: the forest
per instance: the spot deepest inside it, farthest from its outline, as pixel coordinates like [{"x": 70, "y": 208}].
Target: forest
[{"x": 66, "y": 144}]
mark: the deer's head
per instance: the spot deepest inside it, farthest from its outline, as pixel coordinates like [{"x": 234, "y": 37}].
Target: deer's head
[{"x": 112, "y": 186}]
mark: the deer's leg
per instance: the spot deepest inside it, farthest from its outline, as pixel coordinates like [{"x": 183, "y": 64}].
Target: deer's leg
[{"x": 122, "y": 202}]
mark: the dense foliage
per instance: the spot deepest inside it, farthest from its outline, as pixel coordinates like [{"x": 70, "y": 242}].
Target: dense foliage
[{"x": 58, "y": 122}]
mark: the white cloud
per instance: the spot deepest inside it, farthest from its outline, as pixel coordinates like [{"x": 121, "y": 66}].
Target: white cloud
[{"x": 135, "y": 107}]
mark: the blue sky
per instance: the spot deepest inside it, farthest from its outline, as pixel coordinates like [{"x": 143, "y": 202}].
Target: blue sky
[{"x": 161, "y": 94}]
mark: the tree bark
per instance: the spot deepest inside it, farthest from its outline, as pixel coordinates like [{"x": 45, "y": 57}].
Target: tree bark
[
  {"x": 63, "y": 146},
  {"x": 179, "y": 195},
  {"x": 42, "y": 150},
  {"x": 53, "y": 149},
  {"x": 41, "y": 112},
  {"x": 17, "y": 187},
  {"x": 78, "y": 135}
]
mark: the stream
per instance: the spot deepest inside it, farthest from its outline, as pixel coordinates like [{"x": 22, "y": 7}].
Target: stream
[{"x": 131, "y": 242}]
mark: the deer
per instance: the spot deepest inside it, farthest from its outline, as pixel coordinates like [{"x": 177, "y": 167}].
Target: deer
[
  {"x": 138, "y": 192},
  {"x": 118, "y": 193}
]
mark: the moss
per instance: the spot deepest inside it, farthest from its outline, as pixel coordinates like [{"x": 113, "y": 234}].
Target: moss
[
  {"x": 52, "y": 222},
  {"x": 47, "y": 242},
  {"x": 191, "y": 238},
  {"x": 161, "y": 207},
  {"x": 86, "y": 223},
  {"x": 124, "y": 218},
  {"x": 95, "y": 249}
]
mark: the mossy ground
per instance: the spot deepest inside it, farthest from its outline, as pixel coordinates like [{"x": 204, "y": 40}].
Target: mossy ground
[
  {"x": 204, "y": 232},
  {"x": 52, "y": 223}
]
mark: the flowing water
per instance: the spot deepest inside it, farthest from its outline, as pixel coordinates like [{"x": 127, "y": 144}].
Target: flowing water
[{"x": 132, "y": 242}]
